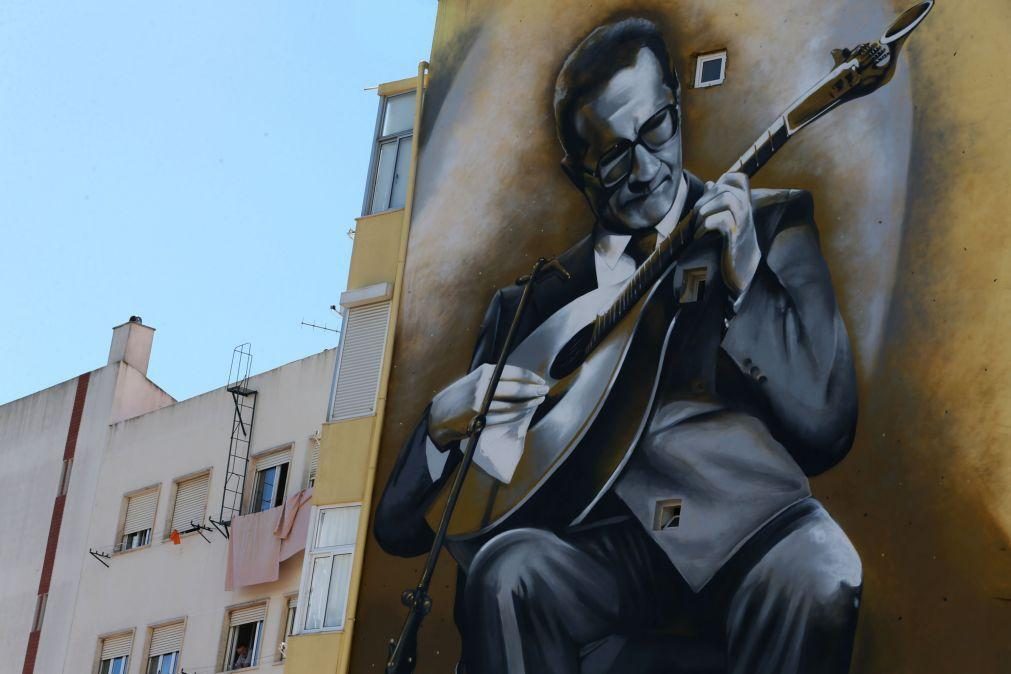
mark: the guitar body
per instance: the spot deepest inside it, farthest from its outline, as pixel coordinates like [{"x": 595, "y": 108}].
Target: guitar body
[{"x": 584, "y": 432}]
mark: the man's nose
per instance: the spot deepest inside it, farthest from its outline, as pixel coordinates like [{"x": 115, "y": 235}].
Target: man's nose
[{"x": 644, "y": 169}]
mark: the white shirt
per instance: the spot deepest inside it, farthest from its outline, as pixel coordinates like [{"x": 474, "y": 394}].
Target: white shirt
[{"x": 613, "y": 265}]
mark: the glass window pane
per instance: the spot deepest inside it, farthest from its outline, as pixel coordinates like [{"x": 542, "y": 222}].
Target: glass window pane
[
  {"x": 337, "y": 526},
  {"x": 398, "y": 195},
  {"x": 338, "y": 595},
  {"x": 265, "y": 490},
  {"x": 318, "y": 584},
  {"x": 399, "y": 114},
  {"x": 385, "y": 168}
]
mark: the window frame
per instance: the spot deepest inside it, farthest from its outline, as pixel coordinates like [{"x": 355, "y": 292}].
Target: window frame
[
  {"x": 311, "y": 555},
  {"x": 702, "y": 59},
  {"x": 160, "y": 657},
  {"x": 146, "y": 535},
  {"x": 253, "y": 480},
  {"x": 377, "y": 141},
  {"x": 170, "y": 513},
  {"x": 230, "y": 633}
]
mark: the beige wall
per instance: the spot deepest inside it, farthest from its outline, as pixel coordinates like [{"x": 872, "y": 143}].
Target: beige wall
[
  {"x": 33, "y": 437},
  {"x": 908, "y": 185},
  {"x": 163, "y": 581}
]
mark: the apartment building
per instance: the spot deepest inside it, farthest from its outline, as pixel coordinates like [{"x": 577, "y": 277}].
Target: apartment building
[
  {"x": 52, "y": 445},
  {"x": 163, "y": 590},
  {"x": 149, "y": 535}
]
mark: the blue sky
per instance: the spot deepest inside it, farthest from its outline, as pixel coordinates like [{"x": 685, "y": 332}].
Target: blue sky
[{"x": 195, "y": 163}]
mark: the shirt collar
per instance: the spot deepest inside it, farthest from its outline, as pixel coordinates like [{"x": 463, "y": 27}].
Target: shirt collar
[{"x": 608, "y": 246}]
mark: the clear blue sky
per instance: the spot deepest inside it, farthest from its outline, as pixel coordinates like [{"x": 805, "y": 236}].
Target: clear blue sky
[{"x": 195, "y": 163}]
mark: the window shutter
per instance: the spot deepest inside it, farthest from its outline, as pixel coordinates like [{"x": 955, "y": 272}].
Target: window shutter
[
  {"x": 191, "y": 501},
  {"x": 117, "y": 646},
  {"x": 249, "y": 614},
  {"x": 313, "y": 462},
  {"x": 167, "y": 639},
  {"x": 361, "y": 361},
  {"x": 140, "y": 511},
  {"x": 271, "y": 460}
]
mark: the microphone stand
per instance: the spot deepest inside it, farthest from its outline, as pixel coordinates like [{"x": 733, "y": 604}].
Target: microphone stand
[{"x": 403, "y": 651}]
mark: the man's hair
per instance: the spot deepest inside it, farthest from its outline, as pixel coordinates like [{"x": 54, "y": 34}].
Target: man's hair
[{"x": 601, "y": 54}]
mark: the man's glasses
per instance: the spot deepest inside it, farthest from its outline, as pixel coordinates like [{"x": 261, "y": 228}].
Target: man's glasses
[{"x": 615, "y": 164}]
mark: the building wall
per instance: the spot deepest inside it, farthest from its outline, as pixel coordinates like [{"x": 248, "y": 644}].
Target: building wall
[
  {"x": 33, "y": 438},
  {"x": 33, "y": 432},
  {"x": 908, "y": 188},
  {"x": 163, "y": 581},
  {"x": 348, "y": 447}
]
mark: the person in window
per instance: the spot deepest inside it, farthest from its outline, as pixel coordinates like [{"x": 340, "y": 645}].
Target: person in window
[
  {"x": 761, "y": 395},
  {"x": 243, "y": 658}
]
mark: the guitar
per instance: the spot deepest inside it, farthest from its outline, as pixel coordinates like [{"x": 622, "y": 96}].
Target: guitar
[{"x": 593, "y": 351}]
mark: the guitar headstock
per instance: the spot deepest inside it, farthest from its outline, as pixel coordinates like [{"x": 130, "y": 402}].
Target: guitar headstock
[{"x": 858, "y": 71}]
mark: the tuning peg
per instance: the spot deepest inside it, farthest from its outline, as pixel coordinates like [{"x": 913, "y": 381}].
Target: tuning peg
[{"x": 841, "y": 55}]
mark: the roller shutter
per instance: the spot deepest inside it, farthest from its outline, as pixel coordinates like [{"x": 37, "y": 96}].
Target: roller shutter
[
  {"x": 117, "y": 646},
  {"x": 167, "y": 639},
  {"x": 191, "y": 502},
  {"x": 140, "y": 510},
  {"x": 249, "y": 614},
  {"x": 361, "y": 361}
]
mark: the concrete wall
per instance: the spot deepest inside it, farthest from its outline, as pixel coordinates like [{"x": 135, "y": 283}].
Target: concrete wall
[
  {"x": 163, "y": 581},
  {"x": 33, "y": 431},
  {"x": 908, "y": 185},
  {"x": 33, "y": 437}
]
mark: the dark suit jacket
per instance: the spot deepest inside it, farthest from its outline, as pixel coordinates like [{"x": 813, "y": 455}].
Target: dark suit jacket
[{"x": 749, "y": 402}]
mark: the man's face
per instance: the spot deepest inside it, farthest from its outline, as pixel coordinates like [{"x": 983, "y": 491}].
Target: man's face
[{"x": 630, "y": 128}]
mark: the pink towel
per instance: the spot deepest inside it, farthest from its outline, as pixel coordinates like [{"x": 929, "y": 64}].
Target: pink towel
[
  {"x": 253, "y": 550},
  {"x": 293, "y": 526},
  {"x": 258, "y": 543}
]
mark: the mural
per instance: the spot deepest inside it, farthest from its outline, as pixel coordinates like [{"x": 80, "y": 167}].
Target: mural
[{"x": 633, "y": 437}]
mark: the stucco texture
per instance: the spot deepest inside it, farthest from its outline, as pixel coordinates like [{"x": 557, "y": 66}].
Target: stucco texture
[{"x": 909, "y": 186}]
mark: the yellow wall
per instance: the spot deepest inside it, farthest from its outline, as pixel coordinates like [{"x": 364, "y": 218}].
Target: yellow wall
[
  {"x": 374, "y": 259},
  {"x": 347, "y": 447},
  {"x": 315, "y": 653}
]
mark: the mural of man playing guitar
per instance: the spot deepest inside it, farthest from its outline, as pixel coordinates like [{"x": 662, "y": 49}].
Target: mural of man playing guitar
[{"x": 710, "y": 529}]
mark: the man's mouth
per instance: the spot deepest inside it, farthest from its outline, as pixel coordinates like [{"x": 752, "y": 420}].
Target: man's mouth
[{"x": 655, "y": 185}]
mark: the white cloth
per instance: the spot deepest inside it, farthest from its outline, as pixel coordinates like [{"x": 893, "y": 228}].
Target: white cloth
[{"x": 500, "y": 447}]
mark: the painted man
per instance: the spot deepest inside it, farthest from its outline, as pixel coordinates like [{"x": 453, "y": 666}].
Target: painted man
[{"x": 711, "y": 524}]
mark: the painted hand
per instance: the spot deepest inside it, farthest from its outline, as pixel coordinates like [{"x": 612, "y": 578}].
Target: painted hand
[
  {"x": 452, "y": 408},
  {"x": 725, "y": 207}
]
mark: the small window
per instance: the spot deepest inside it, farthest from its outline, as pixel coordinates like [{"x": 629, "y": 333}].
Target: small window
[
  {"x": 190, "y": 502},
  {"x": 667, "y": 515},
  {"x": 392, "y": 155},
  {"x": 68, "y": 465},
  {"x": 245, "y": 632},
  {"x": 40, "y": 611},
  {"x": 163, "y": 654},
  {"x": 710, "y": 69},
  {"x": 271, "y": 481},
  {"x": 360, "y": 365},
  {"x": 328, "y": 566},
  {"x": 115, "y": 654},
  {"x": 138, "y": 520},
  {"x": 289, "y": 627}
]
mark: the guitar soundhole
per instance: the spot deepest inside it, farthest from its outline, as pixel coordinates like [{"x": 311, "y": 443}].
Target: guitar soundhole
[{"x": 572, "y": 355}]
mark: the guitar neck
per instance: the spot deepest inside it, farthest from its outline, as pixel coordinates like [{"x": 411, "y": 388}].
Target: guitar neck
[{"x": 667, "y": 252}]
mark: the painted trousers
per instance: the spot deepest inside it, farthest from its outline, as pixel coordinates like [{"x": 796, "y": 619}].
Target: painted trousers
[{"x": 607, "y": 600}]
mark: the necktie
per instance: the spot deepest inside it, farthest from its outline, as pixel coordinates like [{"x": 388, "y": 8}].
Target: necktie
[{"x": 641, "y": 245}]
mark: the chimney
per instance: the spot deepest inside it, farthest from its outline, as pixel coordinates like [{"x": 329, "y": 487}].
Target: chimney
[{"x": 131, "y": 343}]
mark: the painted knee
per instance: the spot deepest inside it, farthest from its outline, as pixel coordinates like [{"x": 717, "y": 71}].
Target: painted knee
[{"x": 510, "y": 564}]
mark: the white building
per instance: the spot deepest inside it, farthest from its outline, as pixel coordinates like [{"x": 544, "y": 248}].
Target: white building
[{"x": 110, "y": 590}]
